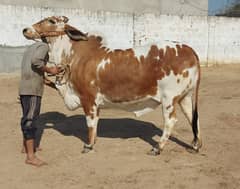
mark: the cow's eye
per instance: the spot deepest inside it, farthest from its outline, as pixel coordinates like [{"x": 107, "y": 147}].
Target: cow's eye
[{"x": 51, "y": 21}]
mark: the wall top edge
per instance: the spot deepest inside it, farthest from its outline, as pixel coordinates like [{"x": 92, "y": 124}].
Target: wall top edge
[{"x": 85, "y": 10}]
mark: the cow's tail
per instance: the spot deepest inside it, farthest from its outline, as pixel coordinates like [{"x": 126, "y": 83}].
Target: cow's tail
[{"x": 197, "y": 143}]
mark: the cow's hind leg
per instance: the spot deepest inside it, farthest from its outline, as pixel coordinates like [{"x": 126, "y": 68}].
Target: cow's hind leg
[
  {"x": 191, "y": 114},
  {"x": 92, "y": 122},
  {"x": 169, "y": 115}
]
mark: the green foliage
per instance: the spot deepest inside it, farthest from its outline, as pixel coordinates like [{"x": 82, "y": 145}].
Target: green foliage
[{"x": 233, "y": 11}]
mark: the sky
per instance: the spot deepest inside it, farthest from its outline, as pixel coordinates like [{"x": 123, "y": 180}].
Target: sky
[{"x": 216, "y": 6}]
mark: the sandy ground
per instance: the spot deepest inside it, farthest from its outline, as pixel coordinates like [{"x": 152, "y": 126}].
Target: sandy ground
[{"x": 120, "y": 160}]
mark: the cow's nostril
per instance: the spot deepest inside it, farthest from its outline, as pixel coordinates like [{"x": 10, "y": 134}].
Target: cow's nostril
[{"x": 24, "y": 30}]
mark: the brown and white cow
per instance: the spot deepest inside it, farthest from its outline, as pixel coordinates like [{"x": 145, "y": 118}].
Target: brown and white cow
[{"x": 136, "y": 79}]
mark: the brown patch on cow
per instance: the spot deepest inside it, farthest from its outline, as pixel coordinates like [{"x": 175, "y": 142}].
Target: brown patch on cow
[
  {"x": 173, "y": 113},
  {"x": 126, "y": 78},
  {"x": 174, "y": 102},
  {"x": 185, "y": 74},
  {"x": 91, "y": 135},
  {"x": 98, "y": 111}
]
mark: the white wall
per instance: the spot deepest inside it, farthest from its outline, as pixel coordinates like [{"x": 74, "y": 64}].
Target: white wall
[
  {"x": 171, "y": 7},
  {"x": 190, "y": 30},
  {"x": 117, "y": 28},
  {"x": 224, "y": 40},
  {"x": 215, "y": 39}
]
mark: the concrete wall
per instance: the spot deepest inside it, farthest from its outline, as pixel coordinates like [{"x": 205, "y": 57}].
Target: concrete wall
[
  {"x": 215, "y": 39},
  {"x": 10, "y": 58},
  {"x": 173, "y": 7},
  {"x": 184, "y": 7}
]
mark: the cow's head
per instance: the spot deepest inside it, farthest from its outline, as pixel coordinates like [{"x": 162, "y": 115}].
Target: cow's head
[{"x": 52, "y": 27}]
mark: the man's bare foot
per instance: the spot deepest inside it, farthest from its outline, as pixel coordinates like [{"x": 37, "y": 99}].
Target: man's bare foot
[
  {"x": 35, "y": 162},
  {"x": 36, "y": 150}
]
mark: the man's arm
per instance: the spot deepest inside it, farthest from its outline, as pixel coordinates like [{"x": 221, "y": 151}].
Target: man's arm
[
  {"x": 52, "y": 70},
  {"x": 39, "y": 60}
]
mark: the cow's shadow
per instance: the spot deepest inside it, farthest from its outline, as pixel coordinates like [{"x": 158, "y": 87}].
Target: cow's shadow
[{"x": 110, "y": 128}]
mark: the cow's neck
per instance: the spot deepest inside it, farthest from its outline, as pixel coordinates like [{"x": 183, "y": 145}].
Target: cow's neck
[
  {"x": 86, "y": 50},
  {"x": 60, "y": 49}
]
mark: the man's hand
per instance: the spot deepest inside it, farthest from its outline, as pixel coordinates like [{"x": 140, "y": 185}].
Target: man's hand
[{"x": 52, "y": 70}]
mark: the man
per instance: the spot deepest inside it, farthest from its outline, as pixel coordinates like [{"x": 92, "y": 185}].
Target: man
[{"x": 30, "y": 91}]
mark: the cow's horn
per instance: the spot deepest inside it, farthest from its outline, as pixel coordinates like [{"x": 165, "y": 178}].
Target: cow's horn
[{"x": 64, "y": 19}]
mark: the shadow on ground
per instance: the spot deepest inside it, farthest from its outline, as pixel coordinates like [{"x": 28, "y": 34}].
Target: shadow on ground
[{"x": 110, "y": 128}]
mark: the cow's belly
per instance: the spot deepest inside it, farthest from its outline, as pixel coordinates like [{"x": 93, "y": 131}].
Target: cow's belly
[{"x": 138, "y": 107}]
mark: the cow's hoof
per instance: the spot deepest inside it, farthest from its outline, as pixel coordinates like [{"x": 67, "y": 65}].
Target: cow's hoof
[
  {"x": 192, "y": 150},
  {"x": 154, "y": 151},
  {"x": 196, "y": 145},
  {"x": 87, "y": 148}
]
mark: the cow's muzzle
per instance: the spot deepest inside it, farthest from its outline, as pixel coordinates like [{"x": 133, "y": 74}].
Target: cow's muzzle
[{"x": 30, "y": 33}]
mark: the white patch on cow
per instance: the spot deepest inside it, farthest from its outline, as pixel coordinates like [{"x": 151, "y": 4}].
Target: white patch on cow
[
  {"x": 171, "y": 44},
  {"x": 31, "y": 29},
  {"x": 60, "y": 26},
  {"x": 141, "y": 51},
  {"x": 71, "y": 99},
  {"x": 157, "y": 97},
  {"x": 92, "y": 82},
  {"x": 61, "y": 46},
  {"x": 102, "y": 65},
  {"x": 169, "y": 87},
  {"x": 92, "y": 120},
  {"x": 143, "y": 111},
  {"x": 99, "y": 100}
]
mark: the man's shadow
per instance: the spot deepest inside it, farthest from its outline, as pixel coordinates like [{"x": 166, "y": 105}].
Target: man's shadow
[{"x": 110, "y": 128}]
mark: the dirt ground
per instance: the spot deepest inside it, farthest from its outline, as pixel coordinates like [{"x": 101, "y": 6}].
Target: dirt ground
[{"x": 120, "y": 160}]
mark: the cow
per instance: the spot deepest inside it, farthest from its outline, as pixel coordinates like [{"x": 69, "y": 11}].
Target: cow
[{"x": 135, "y": 79}]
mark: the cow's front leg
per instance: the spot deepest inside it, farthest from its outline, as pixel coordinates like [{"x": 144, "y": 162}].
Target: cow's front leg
[{"x": 92, "y": 121}]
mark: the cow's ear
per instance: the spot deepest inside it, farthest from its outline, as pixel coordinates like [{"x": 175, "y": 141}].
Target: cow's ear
[
  {"x": 64, "y": 19},
  {"x": 75, "y": 34}
]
